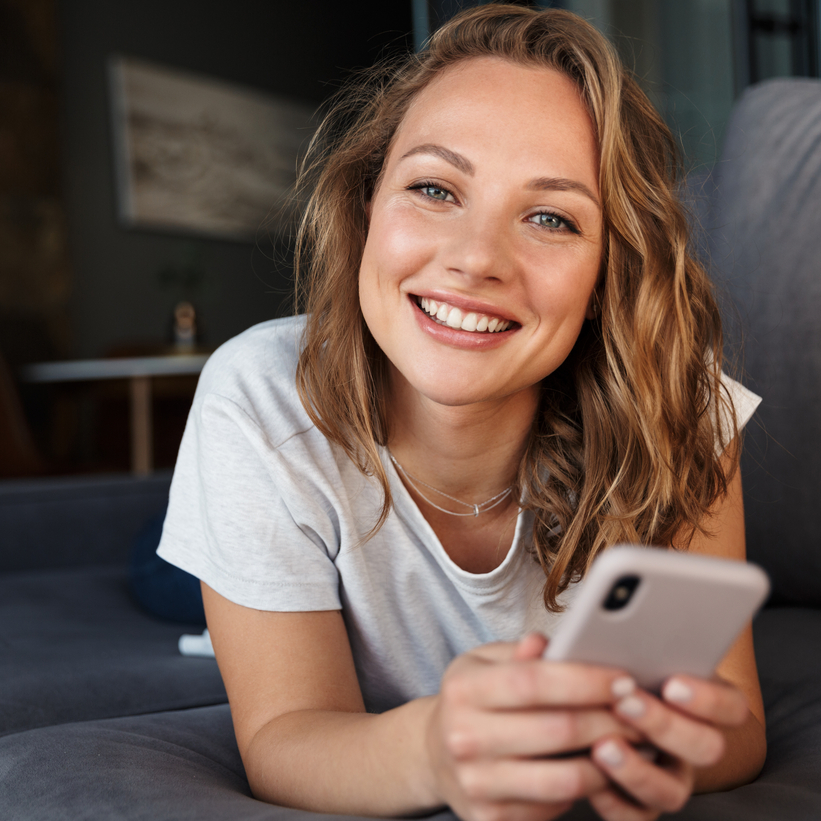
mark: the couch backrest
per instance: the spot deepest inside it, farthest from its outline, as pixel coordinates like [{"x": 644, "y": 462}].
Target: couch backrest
[
  {"x": 765, "y": 243},
  {"x": 63, "y": 522}
]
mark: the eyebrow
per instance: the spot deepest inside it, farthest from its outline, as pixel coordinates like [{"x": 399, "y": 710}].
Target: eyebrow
[
  {"x": 562, "y": 184},
  {"x": 466, "y": 167},
  {"x": 457, "y": 160}
]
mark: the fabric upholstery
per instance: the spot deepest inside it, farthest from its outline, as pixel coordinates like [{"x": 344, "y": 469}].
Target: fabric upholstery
[
  {"x": 65, "y": 522},
  {"x": 765, "y": 232},
  {"x": 73, "y": 646},
  {"x": 179, "y": 765}
]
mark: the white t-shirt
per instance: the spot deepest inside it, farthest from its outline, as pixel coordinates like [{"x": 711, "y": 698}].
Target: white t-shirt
[{"x": 272, "y": 516}]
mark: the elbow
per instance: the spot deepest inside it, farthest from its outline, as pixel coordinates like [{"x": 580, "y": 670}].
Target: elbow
[
  {"x": 757, "y": 757},
  {"x": 262, "y": 770},
  {"x": 279, "y": 759},
  {"x": 744, "y": 757}
]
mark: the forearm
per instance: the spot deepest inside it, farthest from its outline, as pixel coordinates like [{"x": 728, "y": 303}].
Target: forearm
[
  {"x": 348, "y": 763},
  {"x": 742, "y": 760}
]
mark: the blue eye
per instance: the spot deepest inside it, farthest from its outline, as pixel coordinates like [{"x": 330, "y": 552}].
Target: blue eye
[
  {"x": 553, "y": 222},
  {"x": 431, "y": 191},
  {"x": 550, "y": 221},
  {"x": 434, "y": 192}
]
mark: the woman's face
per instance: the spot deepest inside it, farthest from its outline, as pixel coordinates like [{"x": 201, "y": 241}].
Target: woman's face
[{"x": 484, "y": 237}]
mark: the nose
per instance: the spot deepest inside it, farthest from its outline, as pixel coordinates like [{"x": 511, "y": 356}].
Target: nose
[{"x": 479, "y": 246}]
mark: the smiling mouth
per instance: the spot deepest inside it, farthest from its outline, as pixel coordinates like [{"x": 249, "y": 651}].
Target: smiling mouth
[{"x": 443, "y": 314}]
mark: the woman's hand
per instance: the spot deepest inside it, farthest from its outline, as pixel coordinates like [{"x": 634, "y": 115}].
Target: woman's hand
[
  {"x": 684, "y": 726},
  {"x": 510, "y": 734},
  {"x": 515, "y": 738}
]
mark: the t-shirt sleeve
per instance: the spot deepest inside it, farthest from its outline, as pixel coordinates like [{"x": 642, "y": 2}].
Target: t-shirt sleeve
[
  {"x": 744, "y": 402},
  {"x": 240, "y": 519}
]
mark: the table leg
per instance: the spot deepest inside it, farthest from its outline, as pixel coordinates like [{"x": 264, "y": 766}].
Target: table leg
[{"x": 141, "y": 433}]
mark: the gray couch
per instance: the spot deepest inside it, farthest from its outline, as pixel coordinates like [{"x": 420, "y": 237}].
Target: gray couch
[{"x": 101, "y": 718}]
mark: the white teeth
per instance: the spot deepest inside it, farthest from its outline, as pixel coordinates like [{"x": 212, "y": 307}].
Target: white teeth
[{"x": 457, "y": 319}]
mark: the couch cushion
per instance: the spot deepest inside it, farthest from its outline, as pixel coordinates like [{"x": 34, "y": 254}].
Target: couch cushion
[
  {"x": 185, "y": 764},
  {"x": 788, "y": 651},
  {"x": 79, "y": 520},
  {"x": 73, "y": 646},
  {"x": 180, "y": 765},
  {"x": 766, "y": 247}
]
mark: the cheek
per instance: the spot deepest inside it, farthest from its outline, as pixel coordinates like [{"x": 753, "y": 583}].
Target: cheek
[
  {"x": 369, "y": 289},
  {"x": 389, "y": 257},
  {"x": 564, "y": 290},
  {"x": 398, "y": 242}
]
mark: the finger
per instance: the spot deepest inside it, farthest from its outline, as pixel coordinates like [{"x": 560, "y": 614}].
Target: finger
[
  {"x": 613, "y": 806},
  {"x": 530, "y": 647},
  {"x": 497, "y": 651},
  {"x": 534, "y": 683},
  {"x": 653, "y": 787},
  {"x": 534, "y": 733},
  {"x": 696, "y": 742},
  {"x": 546, "y": 781},
  {"x": 715, "y": 701}
]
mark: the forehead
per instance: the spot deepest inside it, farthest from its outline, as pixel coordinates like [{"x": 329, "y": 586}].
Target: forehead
[{"x": 499, "y": 104}]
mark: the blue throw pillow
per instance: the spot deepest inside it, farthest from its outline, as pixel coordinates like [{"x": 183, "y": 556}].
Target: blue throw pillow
[{"x": 159, "y": 587}]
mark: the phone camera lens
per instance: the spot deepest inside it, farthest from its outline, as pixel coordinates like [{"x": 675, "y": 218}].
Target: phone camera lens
[{"x": 621, "y": 592}]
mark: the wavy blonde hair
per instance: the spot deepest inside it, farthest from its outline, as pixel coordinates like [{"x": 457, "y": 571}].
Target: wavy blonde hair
[{"x": 625, "y": 444}]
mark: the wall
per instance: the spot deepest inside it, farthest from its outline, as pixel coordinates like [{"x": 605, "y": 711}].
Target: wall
[
  {"x": 301, "y": 50},
  {"x": 34, "y": 269},
  {"x": 682, "y": 54}
]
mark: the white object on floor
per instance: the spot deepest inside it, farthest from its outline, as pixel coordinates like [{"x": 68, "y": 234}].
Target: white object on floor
[{"x": 192, "y": 645}]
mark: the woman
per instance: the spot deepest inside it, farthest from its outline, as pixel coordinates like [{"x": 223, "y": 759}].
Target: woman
[{"x": 509, "y": 363}]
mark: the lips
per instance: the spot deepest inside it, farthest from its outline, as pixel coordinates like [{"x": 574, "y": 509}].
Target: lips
[{"x": 460, "y": 319}]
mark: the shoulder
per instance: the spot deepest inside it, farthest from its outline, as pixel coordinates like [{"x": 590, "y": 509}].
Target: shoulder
[{"x": 254, "y": 374}]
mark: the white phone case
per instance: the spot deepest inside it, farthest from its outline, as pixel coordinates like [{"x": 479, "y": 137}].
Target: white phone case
[{"x": 683, "y": 616}]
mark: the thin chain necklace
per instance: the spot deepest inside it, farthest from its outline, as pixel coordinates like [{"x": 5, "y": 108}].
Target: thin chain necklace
[{"x": 475, "y": 510}]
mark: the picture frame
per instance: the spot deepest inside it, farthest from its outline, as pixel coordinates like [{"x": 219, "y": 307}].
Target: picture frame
[{"x": 198, "y": 155}]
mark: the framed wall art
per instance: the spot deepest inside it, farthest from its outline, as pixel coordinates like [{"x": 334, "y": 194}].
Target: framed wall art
[{"x": 201, "y": 156}]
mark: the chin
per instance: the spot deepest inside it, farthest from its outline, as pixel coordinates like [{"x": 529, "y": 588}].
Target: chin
[{"x": 452, "y": 395}]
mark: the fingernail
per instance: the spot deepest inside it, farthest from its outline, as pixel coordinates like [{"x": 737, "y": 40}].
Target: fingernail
[
  {"x": 609, "y": 754},
  {"x": 676, "y": 690},
  {"x": 632, "y": 707},
  {"x": 623, "y": 686}
]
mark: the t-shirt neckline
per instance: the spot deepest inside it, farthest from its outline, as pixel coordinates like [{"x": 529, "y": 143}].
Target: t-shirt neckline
[{"x": 407, "y": 509}]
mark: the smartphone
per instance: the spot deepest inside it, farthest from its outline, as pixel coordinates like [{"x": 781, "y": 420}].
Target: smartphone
[{"x": 655, "y": 612}]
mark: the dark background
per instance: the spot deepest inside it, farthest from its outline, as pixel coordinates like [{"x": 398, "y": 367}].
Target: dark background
[
  {"x": 301, "y": 50},
  {"x": 74, "y": 282}
]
